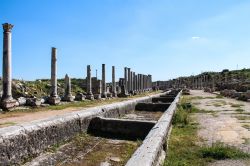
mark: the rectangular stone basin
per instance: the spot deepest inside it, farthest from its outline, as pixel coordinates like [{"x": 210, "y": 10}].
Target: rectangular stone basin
[{"x": 120, "y": 128}]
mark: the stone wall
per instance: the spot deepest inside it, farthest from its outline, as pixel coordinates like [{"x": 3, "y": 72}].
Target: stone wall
[
  {"x": 120, "y": 128},
  {"x": 21, "y": 142},
  {"x": 152, "y": 148}
]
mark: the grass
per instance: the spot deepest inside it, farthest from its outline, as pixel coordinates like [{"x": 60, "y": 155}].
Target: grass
[
  {"x": 183, "y": 148},
  {"x": 246, "y": 126},
  {"x": 7, "y": 124},
  {"x": 219, "y": 96},
  {"x": 219, "y": 103},
  {"x": 219, "y": 151},
  {"x": 236, "y": 105},
  {"x": 96, "y": 149},
  {"x": 239, "y": 110},
  {"x": 243, "y": 117}
]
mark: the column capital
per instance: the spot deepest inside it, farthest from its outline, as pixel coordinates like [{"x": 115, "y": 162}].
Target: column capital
[{"x": 7, "y": 27}]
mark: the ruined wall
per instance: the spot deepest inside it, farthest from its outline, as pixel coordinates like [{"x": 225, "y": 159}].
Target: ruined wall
[
  {"x": 21, "y": 142},
  {"x": 152, "y": 148}
]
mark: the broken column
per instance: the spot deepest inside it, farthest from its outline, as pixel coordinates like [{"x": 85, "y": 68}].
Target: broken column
[
  {"x": 7, "y": 100},
  {"x": 113, "y": 82},
  {"x": 104, "y": 92},
  {"x": 89, "y": 84},
  {"x": 98, "y": 91},
  {"x": 68, "y": 95},
  {"x": 54, "y": 98}
]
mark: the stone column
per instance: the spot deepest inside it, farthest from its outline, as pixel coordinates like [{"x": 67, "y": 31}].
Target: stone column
[
  {"x": 68, "y": 95},
  {"x": 89, "y": 84},
  {"x": 7, "y": 100},
  {"x": 213, "y": 84},
  {"x": 150, "y": 82},
  {"x": 129, "y": 80},
  {"x": 113, "y": 82},
  {"x": 142, "y": 85},
  {"x": 138, "y": 86},
  {"x": 53, "y": 99},
  {"x": 196, "y": 82},
  {"x": 98, "y": 86},
  {"x": 201, "y": 83},
  {"x": 136, "y": 83},
  {"x": 126, "y": 80},
  {"x": 134, "y": 89},
  {"x": 132, "y": 82},
  {"x": 139, "y": 82},
  {"x": 147, "y": 78},
  {"x": 104, "y": 92}
]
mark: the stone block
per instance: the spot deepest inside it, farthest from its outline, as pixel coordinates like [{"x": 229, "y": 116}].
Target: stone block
[
  {"x": 34, "y": 102},
  {"x": 90, "y": 96},
  {"x": 97, "y": 96},
  {"x": 80, "y": 97},
  {"x": 21, "y": 101},
  {"x": 68, "y": 98},
  {"x": 54, "y": 100},
  {"x": 9, "y": 103},
  {"x": 120, "y": 128}
]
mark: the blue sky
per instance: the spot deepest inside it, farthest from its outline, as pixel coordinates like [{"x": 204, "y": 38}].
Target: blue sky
[{"x": 165, "y": 38}]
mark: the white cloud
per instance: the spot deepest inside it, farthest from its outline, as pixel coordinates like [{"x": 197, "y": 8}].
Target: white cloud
[{"x": 196, "y": 37}]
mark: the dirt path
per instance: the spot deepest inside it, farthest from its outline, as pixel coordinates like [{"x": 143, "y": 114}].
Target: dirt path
[
  {"x": 19, "y": 117},
  {"x": 223, "y": 120}
]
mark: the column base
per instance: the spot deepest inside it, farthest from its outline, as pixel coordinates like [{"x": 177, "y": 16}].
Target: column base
[
  {"x": 80, "y": 97},
  {"x": 123, "y": 95},
  {"x": 8, "y": 103},
  {"x": 104, "y": 95},
  {"x": 33, "y": 102},
  {"x": 97, "y": 96},
  {"x": 68, "y": 98},
  {"x": 54, "y": 100},
  {"x": 114, "y": 94},
  {"x": 90, "y": 96},
  {"x": 109, "y": 95}
]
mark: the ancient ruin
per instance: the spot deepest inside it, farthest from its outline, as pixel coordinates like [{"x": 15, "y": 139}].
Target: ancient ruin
[
  {"x": 68, "y": 95},
  {"x": 159, "y": 96},
  {"x": 7, "y": 100},
  {"x": 54, "y": 98},
  {"x": 89, "y": 84}
]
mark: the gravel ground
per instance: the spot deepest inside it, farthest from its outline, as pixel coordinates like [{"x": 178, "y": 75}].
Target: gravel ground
[{"x": 222, "y": 123}]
